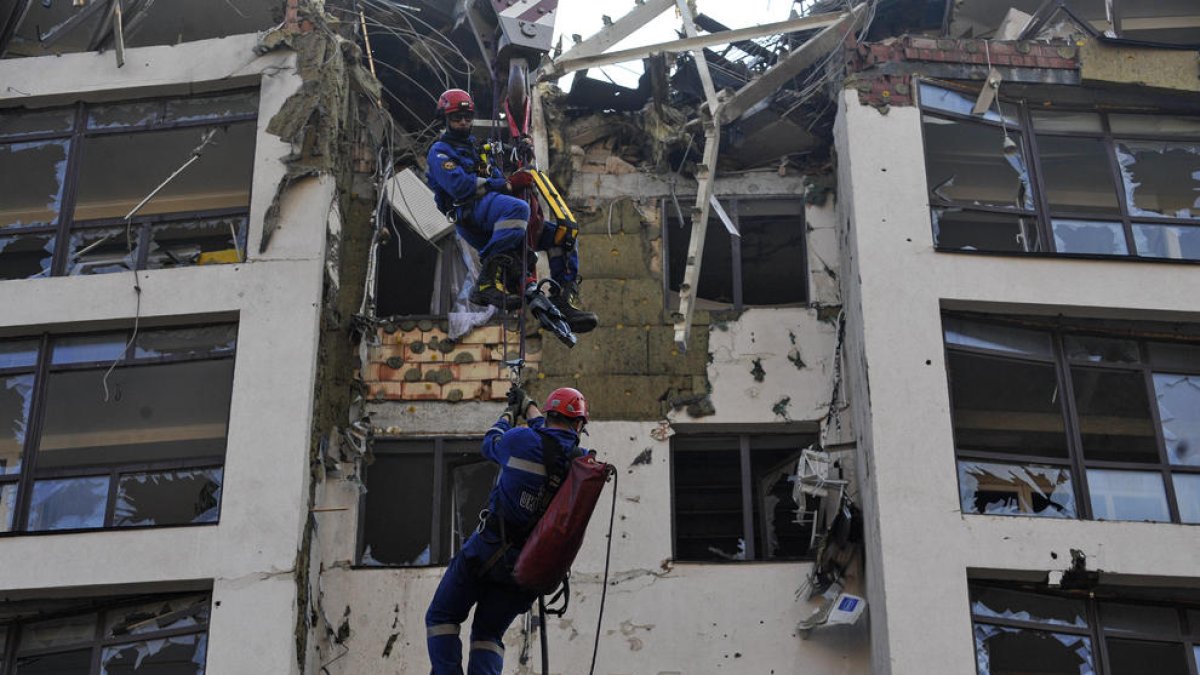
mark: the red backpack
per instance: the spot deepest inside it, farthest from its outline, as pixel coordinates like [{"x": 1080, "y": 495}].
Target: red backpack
[{"x": 555, "y": 540}]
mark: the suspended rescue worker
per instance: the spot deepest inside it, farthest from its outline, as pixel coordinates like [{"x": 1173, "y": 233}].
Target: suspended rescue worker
[
  {"x": 533, "y": 460},
  {"x": 480, "y": 201}
]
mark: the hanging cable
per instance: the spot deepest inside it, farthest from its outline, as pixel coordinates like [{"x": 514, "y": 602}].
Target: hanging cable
[{"x": 612, "y": 516}]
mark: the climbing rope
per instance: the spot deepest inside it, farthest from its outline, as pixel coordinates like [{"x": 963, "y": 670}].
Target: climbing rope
[{"x": 612, "y": 516}]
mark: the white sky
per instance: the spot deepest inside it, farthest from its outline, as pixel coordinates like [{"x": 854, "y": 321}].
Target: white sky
[{"x": 583, "y": 17}]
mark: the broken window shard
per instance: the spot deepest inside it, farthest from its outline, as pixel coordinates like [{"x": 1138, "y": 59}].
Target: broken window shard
[
  {"x": 1001, "y": 603},
  {"x": 31, "y": 182},
  {"x": 962, "y": 230},
  {"x": 68, "y": 503},
  {"x": 1167, "y": 241},
  {"x": 16, "y": 395},
  {"x": 1161, "y": 178},
  {"x": 1178, "y": 398},
  {"x": 101, "y": 251},
  {"x": 25, "y": 256},
  {"x": 1003, "y": 650},
  {"x": 169, "y": 614},
  {"x": 1015, "y": 489},
  {"x": 974, "y": 164},
  {"x": 1089, "y": 237},
  {"x": 186, "y": 497}
]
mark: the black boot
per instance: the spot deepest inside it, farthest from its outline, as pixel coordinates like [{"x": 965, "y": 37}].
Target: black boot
[
  {"x": 490, "y": 288},
  {"x": 567, "y": 302}
]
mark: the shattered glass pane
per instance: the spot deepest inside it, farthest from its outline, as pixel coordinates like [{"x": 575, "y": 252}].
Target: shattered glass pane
[
  {"x": 18, "y": 353},
  {"x": 1100, "y": 349},
  {"x": 936, "y": 98},
  {"x": 186, "y": 497},
  {"x": 68, "y": 503},
  {"x": 1162, "y": 622},
  {"x": 31, "y": 182},
  {"x": 25, "y": 123},
  {"x": 66, "y": 632},
  {"x": 16, "y": 395},
  {"x": 178, "y": 655},
  {"x": 88, "y": 348},
  {"x": 983, "y": 231},
  {"x": 168, "y": 614},
  {"x": 199, "y": 242},
  {"x": 1113, "y": 411},
  {"x": 1004, "y": 405},
  {"x": 1089, "y": 237},
  {"x": 1015, "y": 489},
  {"x": 1071, "y": 122},
  {"x": 777, "y": 535},
  {"x": 8, "y": 507},
  {"x": 212, "y": 107},
  {"x": 1178, "y": 242},
  {"x": 470, "y": 483},
  {"x": 25, "y": 256},
  {"x": 118, "y": 171},
  {"x": 78, "y": 661},
  {"x": 57, "y": 28},
  {"x": 1175, "y": 126},
  {"x": 996, "y": 337},
  {"x": 1003, "y": 650},
  {"x": 399, "y": 508},
  {"x": 1127, "y": 495},
  {"x": 707, "y": 477},
  {"x": 195, "y": 341},
  {"x": 1133, "y": 657},
  {"x": 970, "y": 163},
  {"x": 1161, "y": 179},
  {"x": 1178, "y": 398},
  {"x": 1001, "y": 603},
  {"x": 1187, "y": 495},
  {"x": 1174, "y": 355},
  {"x": 101, "y": 251},
  {"x": 158, "y": 412},
  {"x": 1076, "y": 174},
  {"x": 130, "y": 114}
]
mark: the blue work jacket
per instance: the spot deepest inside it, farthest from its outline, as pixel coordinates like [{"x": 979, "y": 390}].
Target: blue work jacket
[
  {"x": 518, "y": 493},
  {"x": 457, "y": 175}
]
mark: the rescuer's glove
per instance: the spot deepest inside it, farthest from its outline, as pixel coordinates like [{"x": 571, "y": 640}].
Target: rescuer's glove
[{"x": 518, "y": 402}]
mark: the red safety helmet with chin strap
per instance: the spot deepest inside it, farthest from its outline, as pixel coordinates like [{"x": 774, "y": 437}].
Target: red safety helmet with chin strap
[
  {"x": 567, "y": 402},
  {"x": 454, "y": 100}
]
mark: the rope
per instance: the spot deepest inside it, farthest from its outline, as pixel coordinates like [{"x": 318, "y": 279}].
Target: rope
[{"x": 612, "y": 516}]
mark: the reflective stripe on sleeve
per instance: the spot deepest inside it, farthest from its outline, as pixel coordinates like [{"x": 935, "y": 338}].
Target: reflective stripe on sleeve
[{"x": 526, "y": 465}]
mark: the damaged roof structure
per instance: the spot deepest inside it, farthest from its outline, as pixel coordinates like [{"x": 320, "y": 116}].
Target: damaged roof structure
[{"x": 897, "y": 340}]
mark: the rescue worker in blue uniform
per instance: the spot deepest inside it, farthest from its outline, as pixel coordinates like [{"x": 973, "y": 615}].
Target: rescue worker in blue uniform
[
  {"x": 479, "y": 199},
  {"x": 534, "y": 460}
]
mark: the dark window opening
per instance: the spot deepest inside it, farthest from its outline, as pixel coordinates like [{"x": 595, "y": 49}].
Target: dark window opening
[
  {"x": 423, "y": 500},
  {"x": 69, "y": 176},
  {"x": 1099, "y": 184},
  {"x": 148, "y": 635},
  {"x": 733, "y": 498},
  {"x": 143, "y": 445},
  {"x": 1055, "y": 423},
  {"x": 765, "y": 265}
]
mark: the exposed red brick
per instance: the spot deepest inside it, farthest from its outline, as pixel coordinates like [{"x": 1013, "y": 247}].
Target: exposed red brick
[
  {"x": 391, "y": 391},
  {"x": 421, "y": 391},
  {"x": 484, "y": 335}
]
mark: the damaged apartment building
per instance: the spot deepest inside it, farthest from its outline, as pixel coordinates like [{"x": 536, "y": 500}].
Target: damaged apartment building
[{"x": 898, "y": 357}]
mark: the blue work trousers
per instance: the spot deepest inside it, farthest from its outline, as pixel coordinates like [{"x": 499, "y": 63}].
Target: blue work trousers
[
  {"x": 480, "y": 231},
  {"x": 497, "y": 601}
]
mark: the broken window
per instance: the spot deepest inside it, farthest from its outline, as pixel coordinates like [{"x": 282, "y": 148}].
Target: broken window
[
  {"x": 61, "y": 27},
  {"x": 139, "y": 444},
  {"x": 69, "y": 176},
  {"x": 155, "y": 635},
  {"x": 1107, "y": 631},
  {"x": 1032, "y": 405},
  {"x": 423, "y": 499},
  {"x": 733, "y": 498},
  {"x": 1103, "y": 184},
  {"x": 764, "y": 264}
]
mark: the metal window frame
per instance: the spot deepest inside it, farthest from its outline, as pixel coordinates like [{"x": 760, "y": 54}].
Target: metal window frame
[
  {"x": 434, "y": 447},
  {"x": 1188, "y": 639},
  {"x": 1042, "y": 211},
  {"x": 1076, "y": 460},
  {"x": 35, "y": 423},
  {"x": 743, "y": 440},
  {"x": 99, "y": 641},
  {"x": 66, "y": 225}
]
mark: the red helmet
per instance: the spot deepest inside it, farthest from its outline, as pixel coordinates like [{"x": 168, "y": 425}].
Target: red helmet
[
  {"x": 567, "y": 402},
  {"x": 454, "y": 100}
]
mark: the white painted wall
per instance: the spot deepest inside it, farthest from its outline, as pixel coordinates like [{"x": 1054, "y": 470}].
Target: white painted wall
[
  {"x": 919, "y": 544},
  {"x": 250, "y": 556}
]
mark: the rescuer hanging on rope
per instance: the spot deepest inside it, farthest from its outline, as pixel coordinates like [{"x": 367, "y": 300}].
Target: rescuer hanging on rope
[
  {"x": 534, "y": 461},
  {"x": 489, "y": 217}
]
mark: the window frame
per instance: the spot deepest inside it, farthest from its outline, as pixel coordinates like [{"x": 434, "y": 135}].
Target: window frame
[
  {"x": 142, "y": 226},
  {"x": 804, "y": 439},
  {"x": 668, "y": 213},
  {"x": 1042, "y": 213},
  {"x": 1076, "y": 462},
  {"x": 1095, "y": 630},
  {"x": 29, "y": 473},
  {"x": 10, "y": 650},
  {"x": 436, "y": 447}
]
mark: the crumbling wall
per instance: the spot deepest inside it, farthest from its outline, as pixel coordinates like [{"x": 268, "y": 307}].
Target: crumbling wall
[{"x": 1140, "y": 66}]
